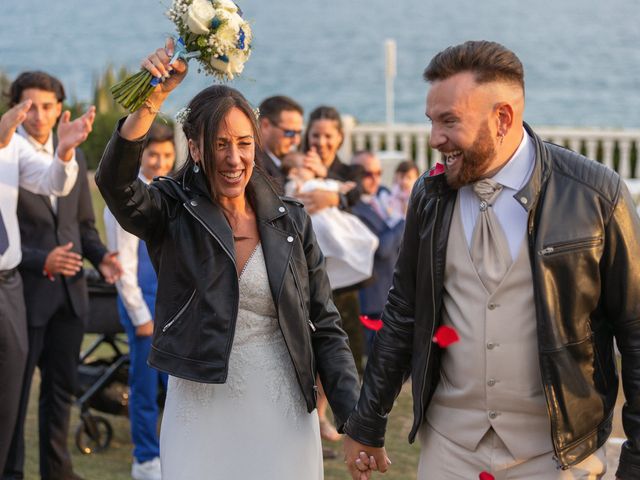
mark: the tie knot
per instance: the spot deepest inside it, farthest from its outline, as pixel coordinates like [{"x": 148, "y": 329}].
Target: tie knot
[{"x": 487, "y": 190}]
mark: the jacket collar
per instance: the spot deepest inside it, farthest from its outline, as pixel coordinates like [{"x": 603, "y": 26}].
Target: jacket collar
[
  {"x": 277, "y": 232},
  {"x": 529, "y": 193}
]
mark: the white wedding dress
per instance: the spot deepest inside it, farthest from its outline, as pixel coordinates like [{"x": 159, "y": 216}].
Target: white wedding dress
[{"x": 255, "y": 425}]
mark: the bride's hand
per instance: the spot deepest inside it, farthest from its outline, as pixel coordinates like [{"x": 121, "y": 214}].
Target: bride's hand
[{"x": 158, "y": 65}]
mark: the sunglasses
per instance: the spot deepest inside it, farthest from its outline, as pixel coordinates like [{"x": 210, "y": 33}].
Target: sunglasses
[
  {"x": 372, "y": 173},
  {"x": 285, "y": 131}
]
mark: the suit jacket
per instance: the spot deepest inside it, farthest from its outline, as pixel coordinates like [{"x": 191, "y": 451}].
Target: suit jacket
[
  {"x": 272, "y": 170},
  {"x": 41, "y": 230},
  {"x": 374, "y": 294}
]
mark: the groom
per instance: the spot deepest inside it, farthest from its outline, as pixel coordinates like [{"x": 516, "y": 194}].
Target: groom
[{"x": 530, "y": 252}]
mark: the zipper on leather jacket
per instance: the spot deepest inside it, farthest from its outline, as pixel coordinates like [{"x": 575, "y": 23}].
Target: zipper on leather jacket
[
  {"x": 569, "y": 246},
  {"x": 179, "y": 313},
  {"x": 433, "y": 296},
  {"x": 304, "y": 308}
]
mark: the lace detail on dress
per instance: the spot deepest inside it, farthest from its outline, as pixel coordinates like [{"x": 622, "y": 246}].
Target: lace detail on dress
[{"x": 258, "y": 344}]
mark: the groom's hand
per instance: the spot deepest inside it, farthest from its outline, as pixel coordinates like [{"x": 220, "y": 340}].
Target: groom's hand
[{"x": 362, "y": 459}]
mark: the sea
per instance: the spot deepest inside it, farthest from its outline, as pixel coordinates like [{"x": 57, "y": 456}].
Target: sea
[{"x": 581, "y": 57}]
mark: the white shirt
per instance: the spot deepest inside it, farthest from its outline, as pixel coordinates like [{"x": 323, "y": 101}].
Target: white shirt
[
  {"x": 276, "y": 160},
  {"x": 22, "y": 166},
  {"x": 46, "y": 148},
  {"x": 510, "y": 213},
  {"x": 126, "y": 244}
]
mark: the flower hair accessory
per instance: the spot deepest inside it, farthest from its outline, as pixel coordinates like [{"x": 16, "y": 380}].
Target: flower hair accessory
[
  {"x": 182, "y": 115},
  {"x": 256, "y": 112}
]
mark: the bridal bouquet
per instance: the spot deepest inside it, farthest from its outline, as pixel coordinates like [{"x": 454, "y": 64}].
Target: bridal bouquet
[{"x": 213, "y": 31}]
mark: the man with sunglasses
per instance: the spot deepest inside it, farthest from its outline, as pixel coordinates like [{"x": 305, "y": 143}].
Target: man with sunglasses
[{"x": 281, "y": 121}]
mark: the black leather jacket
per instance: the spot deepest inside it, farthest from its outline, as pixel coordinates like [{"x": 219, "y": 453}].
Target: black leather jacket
[
  {"x": 584, "y": 244},
  {"x": 191, "y": 246}
]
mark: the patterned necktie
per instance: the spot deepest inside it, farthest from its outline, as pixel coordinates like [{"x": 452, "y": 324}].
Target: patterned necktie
[
  {"x": 4, "y": 238},
  {"x": 489, "y": 247}
]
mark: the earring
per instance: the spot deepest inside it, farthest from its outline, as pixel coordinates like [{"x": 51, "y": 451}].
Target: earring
[{"x": 196, "y": 168}]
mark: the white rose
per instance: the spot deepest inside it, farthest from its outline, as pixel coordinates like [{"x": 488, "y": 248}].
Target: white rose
[
  {"x": 233, "y": 66},
  {"x": 226, "y": 5},
  {"x": 199, "y": 15}
]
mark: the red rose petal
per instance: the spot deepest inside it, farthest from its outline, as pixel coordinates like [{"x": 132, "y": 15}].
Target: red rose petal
[
  {"x": 486, "y": 476},
  {"x": 437, "y": 169},
  {"x": 445, "y": 336},
  {"x": 371, "y": 323}
]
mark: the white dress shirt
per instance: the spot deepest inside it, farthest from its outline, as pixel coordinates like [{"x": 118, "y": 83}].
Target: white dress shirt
[
  {"x": 46, "y": 148},
  {"x": 22, "y": 166},
  {"x": 126, "y": 244},
  {"x": 510, "y": 213}
]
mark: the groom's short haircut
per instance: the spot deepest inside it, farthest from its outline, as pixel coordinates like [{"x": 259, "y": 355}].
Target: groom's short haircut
[
  {"x": 488, "y": 61},
  {"x": 38, "y": 80},
  {"x": 272, "y": 107}
]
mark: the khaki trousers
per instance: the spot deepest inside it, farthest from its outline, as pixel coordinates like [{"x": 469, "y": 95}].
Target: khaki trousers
[{"x": 442, "y": 459}]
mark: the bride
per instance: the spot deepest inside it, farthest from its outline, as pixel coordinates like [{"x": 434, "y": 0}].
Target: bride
[{"x": 244, "y": 315}]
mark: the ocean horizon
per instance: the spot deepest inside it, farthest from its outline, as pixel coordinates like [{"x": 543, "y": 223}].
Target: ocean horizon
[{"x": 581, "y": 57}]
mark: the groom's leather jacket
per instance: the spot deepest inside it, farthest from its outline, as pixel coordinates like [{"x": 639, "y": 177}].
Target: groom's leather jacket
[
  {"x": 191, "y": 246},
  {"x": 584, "y": 245}
]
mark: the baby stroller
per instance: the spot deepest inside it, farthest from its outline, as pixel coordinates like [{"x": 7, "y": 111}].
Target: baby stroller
[{"x": 102, "y": 383}]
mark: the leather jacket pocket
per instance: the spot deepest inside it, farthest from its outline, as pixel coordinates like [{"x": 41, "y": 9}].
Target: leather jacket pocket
[
  {"x": 570, "y": 246},
  {"x": 179, "y": 313}
]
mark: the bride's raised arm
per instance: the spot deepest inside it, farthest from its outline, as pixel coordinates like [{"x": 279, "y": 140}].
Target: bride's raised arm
[{"x": 158, "y": 64}]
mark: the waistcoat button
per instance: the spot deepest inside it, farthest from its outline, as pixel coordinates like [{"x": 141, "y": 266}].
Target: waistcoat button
[{"x": 289, "y": 239}]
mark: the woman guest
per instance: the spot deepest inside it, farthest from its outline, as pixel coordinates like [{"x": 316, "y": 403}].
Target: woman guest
[
  {"x": 244, "y": 316},
  {"x": 322, "y": 139}
]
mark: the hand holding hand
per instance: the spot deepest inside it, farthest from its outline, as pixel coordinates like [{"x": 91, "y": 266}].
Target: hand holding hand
[
  {"x": 73, "y": 133},
  {"x": 362, "y": 459},
  {"x": 110, "y": 267},
  {"x": 61, "y": 260},
  {"x": 313, "y": 162},
  {"x": 11, "y": 119}
]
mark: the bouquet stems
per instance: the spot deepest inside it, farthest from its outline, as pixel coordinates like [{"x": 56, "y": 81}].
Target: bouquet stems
[{"x": 133, "y": 91}]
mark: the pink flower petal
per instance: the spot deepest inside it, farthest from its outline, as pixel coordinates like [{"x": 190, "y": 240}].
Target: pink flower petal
[
  {"x": 437, "y": 169},
  {"x": 445, "y": 336},
  {"x": 371, "y": 323}
]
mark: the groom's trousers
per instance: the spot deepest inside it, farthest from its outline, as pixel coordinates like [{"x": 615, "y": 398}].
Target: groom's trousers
[{"x": 442, "y": 459}]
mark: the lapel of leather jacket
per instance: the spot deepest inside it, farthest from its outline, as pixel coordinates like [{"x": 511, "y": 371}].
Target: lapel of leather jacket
[
  {"x": 199, "y": 204},
  {"x": 277, "y": 232}
]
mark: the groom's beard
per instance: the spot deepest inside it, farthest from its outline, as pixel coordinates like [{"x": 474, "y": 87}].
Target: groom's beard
[{"x": 474, "y": 160}]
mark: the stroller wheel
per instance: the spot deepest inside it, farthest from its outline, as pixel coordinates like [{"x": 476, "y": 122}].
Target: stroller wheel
[{"x": 93, "y": 434}]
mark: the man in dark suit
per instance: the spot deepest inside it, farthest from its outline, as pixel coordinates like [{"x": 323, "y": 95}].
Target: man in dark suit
[
  {"x": 281, "y": 120},
  {"x": 375, "y": 210},
  {"x": 56, "y": 234}
]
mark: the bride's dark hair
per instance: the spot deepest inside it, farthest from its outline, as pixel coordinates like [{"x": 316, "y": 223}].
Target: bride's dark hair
[{"x": 202, "y": 120}]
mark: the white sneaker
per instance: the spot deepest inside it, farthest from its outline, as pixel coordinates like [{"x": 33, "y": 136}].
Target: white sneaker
[{"x": 149, "y": 470}]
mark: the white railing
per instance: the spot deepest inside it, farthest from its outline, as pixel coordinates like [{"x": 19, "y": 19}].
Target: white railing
[{"x": 618, "y": 149}]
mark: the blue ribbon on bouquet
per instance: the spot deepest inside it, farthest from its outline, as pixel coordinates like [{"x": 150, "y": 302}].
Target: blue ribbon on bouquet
[{"x": 180, "y": 51}]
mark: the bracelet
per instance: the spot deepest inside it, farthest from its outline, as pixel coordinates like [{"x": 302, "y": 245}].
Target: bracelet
[{"x": 151, "y": 107}]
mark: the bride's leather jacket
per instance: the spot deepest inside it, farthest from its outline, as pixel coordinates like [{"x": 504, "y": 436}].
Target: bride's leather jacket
[
  {"x": 191, "y": 246},
  {"x": 584, "y": 245}
]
